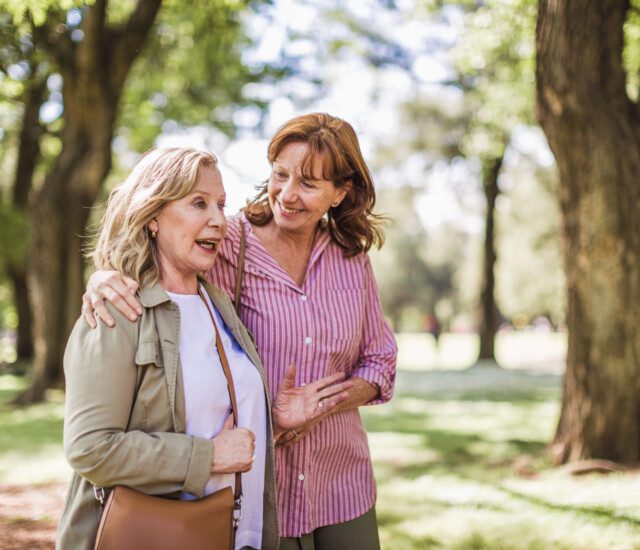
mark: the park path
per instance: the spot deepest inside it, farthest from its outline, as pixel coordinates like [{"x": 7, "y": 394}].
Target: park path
[{"x": 29, "y": 515}]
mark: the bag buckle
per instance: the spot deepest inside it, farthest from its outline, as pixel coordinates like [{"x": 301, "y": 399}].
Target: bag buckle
[
  {"x": 99, "y": 493},
  {"x": 237, "y": 511}
]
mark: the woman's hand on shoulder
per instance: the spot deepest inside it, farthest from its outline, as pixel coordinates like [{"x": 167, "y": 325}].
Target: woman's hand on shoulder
[
  {"x": 111, "y": 286},
  {"x": 233, "y": 449}
]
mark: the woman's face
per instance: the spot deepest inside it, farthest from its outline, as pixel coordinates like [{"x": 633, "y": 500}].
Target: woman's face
[
  {"x": 298, "y": 204},
  {"x": 189, "y": 230}
]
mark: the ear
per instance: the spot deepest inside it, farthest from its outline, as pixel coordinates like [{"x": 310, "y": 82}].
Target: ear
[
  {"x": 341, "y": 193},
  {"x": 153, "y": 225}
]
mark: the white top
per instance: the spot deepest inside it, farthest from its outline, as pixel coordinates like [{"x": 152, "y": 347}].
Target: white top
[{"x": 207, "y": 403}]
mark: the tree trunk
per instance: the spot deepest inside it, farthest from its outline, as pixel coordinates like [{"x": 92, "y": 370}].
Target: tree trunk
[
  {"x": 594, "y": 132},
  {"x": 488, "y": 310},
  {"x": 24, "y": 338},
  {"x": 56, "y": 265},
  {"x": 28, "y": 157},
  {"x": 94, "y": 72}
]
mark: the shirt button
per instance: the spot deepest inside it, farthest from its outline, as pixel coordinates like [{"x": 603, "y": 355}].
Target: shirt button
[
  {"x": 301, "y": 477},
  {"x": 304, "y": 297},
  {"x": 307, "y": 340}
]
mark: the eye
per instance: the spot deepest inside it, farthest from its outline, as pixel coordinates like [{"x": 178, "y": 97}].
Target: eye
[
  {"x": 308, "y": 184},
  {"x": 199, "y": 203},
  {"x": 279, "y": 175},
  {"x": 222, "y": 205}
]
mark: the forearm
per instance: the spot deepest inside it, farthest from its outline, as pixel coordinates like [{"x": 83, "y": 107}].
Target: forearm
[
  {"x": 359, "y": 394},
  {"x": 155, "y": 463},
  {"x": 101, "y": 382}
]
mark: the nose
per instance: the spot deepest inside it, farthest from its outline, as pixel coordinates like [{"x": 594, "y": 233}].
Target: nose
[
  {"x": 217, "y": 217},
  {"x": 288, "y": 192}
]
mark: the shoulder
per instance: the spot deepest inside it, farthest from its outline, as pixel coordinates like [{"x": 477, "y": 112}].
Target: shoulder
[
  {"x": 84, "y": 341},
  {"x": 234, "y": 227}
]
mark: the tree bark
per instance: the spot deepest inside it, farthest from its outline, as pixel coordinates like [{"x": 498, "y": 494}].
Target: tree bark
[
  {"x": 488, "y": 310},
  {"x": 28, "y": 157},
  {"x": 94, "y": 71},
  {"x": 594, "y": 132}
]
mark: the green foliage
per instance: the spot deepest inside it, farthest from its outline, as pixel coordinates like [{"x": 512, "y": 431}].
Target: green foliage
[
  {"x": 631, "y": 52},
  {"x": 36, "y": 10},
  {"x": 496, "y": 60},
  {"x": 190, "y": 73},
  {"x": 14, "y": 237}
]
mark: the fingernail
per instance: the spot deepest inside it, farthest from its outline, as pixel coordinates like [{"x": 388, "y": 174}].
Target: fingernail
[
  {"x": 110, "y": 323},
  {"x": 133, "y": 317},
  {"x": 139, "y": 311}
]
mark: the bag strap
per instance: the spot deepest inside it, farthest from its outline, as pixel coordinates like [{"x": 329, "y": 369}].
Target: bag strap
[
  {"x": 237, "y": 497},
  {"x": 240, "y": 268}
]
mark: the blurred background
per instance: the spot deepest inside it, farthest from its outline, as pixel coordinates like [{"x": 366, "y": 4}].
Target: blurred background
[{"x": 503, "y": 137}]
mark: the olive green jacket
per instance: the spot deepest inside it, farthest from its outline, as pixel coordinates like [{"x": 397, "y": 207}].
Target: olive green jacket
[{"x": 125, "y": 415}]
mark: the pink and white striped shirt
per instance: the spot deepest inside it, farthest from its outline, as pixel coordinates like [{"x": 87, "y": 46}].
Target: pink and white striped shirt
[{"x": 332, "y": 323}]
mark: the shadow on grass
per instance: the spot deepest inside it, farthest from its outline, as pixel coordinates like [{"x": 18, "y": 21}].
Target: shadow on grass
[
  {"x": 480, "y": 385},
  {"x": 596, "y": 512}
]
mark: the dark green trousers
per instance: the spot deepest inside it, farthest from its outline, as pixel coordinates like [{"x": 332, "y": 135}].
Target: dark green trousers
[{"x": 358, "y": 534}]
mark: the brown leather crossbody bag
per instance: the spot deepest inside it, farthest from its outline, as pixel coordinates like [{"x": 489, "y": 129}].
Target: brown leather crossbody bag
[{"x": 132, "y": 520}]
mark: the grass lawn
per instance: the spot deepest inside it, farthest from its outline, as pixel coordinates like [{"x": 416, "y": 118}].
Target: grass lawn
[{"x": 459, "y": 455}]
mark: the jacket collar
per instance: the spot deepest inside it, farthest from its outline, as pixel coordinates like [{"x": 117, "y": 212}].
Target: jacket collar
[
  {"x": 154, "y": 295},
  {"x": 151, "y": 296}
]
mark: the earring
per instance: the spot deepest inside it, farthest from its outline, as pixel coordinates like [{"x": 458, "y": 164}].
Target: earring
[
  {"x": 154, "y": 233},
  {"x": 334, "y": 204}
]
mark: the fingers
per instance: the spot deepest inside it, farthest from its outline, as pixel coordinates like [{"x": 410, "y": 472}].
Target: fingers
[
  {"x": 228, "y": 423},
  {"x": 124, "y": 302},
  {"x": 335, "y": 389},
  {"x": 331, "y": 402},
  {"x": 130, "y": 284},
  {"x": 126, "y": 289},
  {"x": 233, "y": 449},
  {"x": 289, "y": 378},
  {"x": 101, "y": 310},
  {"x": 87, "y": 311},
  {"x": 328, "y": 380}
]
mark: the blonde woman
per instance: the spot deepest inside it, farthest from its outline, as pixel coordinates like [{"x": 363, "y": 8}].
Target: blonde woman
[{"x": 147, "y": 404}]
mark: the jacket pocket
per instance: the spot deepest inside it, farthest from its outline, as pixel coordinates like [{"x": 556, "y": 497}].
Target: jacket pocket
[{"x": 149, "y": 353}]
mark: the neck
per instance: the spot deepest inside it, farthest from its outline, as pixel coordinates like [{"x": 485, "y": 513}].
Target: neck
[
  {"x": 179, "y": 283},
  {"x": 298, "y": 240}
]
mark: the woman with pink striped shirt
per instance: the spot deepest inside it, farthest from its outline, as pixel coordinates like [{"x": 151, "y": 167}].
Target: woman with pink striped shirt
[{"x": 310, "y": 299}]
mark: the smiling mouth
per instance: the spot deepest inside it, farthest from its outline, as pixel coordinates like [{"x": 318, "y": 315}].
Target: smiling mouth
[
  {"x": 207, "y": 244},
  {"x": 288, "y": 210}
]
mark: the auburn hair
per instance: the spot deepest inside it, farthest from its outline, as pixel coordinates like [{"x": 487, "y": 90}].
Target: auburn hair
[{"x": 332, "y": 144}]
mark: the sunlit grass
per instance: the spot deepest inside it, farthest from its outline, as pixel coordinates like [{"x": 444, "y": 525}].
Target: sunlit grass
[
  {"x": 515, "y": 349},
  {"x": 30, "y": 437},
  {"x": 462, "y": 473}
]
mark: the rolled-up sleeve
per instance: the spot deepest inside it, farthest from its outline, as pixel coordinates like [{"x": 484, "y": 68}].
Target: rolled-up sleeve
[
  {"x": 378, "y": 350},
  {"x": 101, "y": 380}
]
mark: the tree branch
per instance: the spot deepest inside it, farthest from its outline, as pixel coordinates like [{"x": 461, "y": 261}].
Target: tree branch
[{"x": 127, "y": 40}]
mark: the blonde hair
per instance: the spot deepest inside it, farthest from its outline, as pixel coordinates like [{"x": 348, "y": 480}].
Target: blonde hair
[
  {"x": 352, "y": 224},
  {"x": 161, "y": 175}
]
